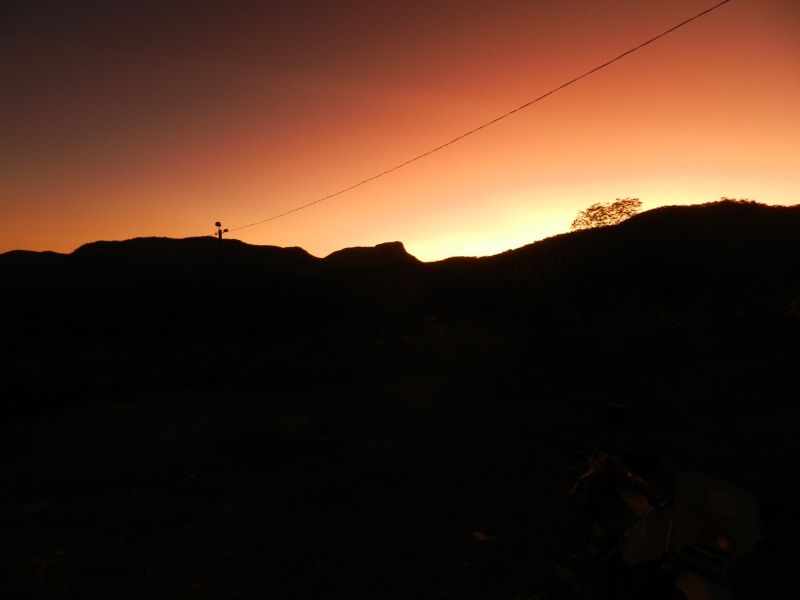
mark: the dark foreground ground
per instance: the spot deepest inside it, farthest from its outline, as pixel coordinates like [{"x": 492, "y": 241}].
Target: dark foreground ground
[{"x": 421, "y": 487}]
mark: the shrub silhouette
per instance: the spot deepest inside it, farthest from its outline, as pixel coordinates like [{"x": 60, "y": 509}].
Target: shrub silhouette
[{"x": 609, "y": 213}]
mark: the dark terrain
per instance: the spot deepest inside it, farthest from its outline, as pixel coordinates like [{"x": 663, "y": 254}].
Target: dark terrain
[{"x": 370, "y": 426}]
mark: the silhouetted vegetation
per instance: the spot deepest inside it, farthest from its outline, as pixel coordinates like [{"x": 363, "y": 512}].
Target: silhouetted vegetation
[{"x": 610, "y": 213}]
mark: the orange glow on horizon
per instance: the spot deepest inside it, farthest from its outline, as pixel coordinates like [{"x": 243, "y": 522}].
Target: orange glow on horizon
[{"x": 112, "y": 142}]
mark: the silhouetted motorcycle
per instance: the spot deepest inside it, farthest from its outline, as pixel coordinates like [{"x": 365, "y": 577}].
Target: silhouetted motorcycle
[{"x": 647, "y": 534}]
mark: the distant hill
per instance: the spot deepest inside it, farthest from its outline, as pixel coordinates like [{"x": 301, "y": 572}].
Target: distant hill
[
  {"x": 382, "y": 255},
  {"x": 692, "y": 283}
]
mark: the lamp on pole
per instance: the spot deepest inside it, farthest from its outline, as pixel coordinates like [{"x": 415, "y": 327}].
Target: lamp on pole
[{"x": 220, "y": 231}]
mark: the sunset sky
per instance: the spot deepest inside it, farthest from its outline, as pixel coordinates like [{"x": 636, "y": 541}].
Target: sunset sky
[{"x": 121, "y": 119}]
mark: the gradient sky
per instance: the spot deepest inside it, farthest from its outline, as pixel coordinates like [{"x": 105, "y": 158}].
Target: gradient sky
[{"x": 121, "y": 119}]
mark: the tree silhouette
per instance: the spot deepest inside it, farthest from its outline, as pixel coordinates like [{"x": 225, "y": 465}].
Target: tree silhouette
[{"x": 609, "y": 213}]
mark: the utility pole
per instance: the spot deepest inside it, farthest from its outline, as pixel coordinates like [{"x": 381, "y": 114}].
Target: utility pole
[
  {"x": 220, "y": 231},
  {"x": 221, "y": 305}
]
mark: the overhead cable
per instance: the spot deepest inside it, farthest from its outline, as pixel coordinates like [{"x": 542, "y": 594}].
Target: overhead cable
[{"x": 487, "y": 123}]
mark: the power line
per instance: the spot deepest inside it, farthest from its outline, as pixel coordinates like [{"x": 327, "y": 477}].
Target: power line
[{"x": 487, "y": 123}]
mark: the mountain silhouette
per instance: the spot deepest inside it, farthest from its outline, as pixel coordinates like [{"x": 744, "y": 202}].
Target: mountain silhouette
[
  {"x": 283, "y": 425},
  {"x": 671, "y": 284},
  {"x": 382, "y": 255}
]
